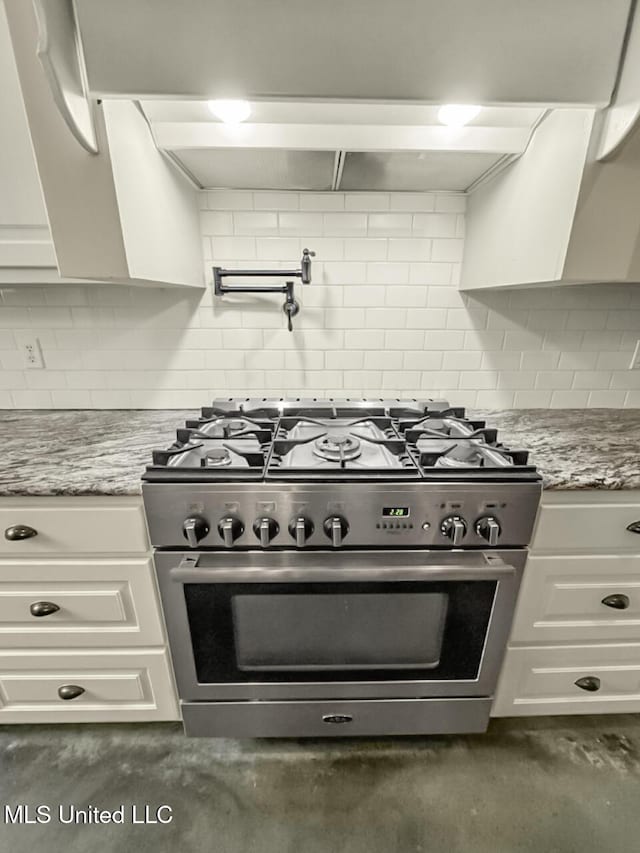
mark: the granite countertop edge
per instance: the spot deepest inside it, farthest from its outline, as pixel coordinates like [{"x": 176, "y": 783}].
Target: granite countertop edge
[{"x": 104, "y": 452}]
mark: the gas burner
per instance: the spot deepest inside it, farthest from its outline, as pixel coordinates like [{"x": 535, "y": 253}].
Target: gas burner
[
  {"x": 230, "y": 427},
  {"x": 466, "y": 454},
  {"x": 218, "y": 457},
  {"x": 337, "y": 447},
  {"x": 451, "y": 427}
]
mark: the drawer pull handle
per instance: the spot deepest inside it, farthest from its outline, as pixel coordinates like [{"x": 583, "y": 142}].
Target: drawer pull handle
[
  {"x": 43, "y": 608},
  {"x": 17, "y": 532},
  {"x": 589, "y": 682},
  {"x": 70, "y": 691},
  {"x": 634, "y": 527},
  {"x": 618, "y": 601},
  {"x": 337, "y": 718}
]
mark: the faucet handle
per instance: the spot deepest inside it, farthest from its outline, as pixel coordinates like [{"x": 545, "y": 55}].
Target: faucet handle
[{"x": 305, "y": 265}]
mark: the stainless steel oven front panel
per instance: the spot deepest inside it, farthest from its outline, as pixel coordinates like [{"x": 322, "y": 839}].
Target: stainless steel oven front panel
[
  {"x": 174, "y": 569},
  {"x": 514, "y": 505}
]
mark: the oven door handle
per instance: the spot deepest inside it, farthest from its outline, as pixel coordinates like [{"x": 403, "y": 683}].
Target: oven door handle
[{"x": 477, "y": 569}]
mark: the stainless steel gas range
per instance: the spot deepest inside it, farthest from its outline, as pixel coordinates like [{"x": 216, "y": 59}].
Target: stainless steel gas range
[{"x": 338, "y": 567}]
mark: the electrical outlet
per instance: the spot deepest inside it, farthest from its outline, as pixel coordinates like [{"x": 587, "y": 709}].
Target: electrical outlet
[
  {"x": 32, "y": 353},
  {"x": 635, "y": 361}
]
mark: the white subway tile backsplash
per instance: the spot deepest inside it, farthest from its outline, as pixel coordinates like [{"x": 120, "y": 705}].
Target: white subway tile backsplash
[
  {"x": 364, "y": 339},
  {"x": 276, "y": 201},
  {"x": 345, "y": 224},
  {"x": 532, "y": 399},
  {"x": 366, "y": 201},
  {"x": 390, "y": 224},
  {"x": 623, "y": 320},
  {"x": 342, "y": 273},
  {"x": 321, "y": 201},
  {"x": 447, "y": 250},
  {"x": 410, "y": 296},
  {"x": 606, "y": 399},
  {"x": 412, "y": 201},
  {"x": 306, "y": 225},
  {"x": 382, "y": 360},
  {"x": 421, "y": 359},
  {"x": 451, "y": 202},
  {"x": 386, "y": 273},
  {"x": 434, "y": 224},
  {"x": 383, "y": 315},
  {"x": 386, "y": 318},
  {"x": 345, "y": 318},
  {"x": 554, "y": 379},
  {"x": 578, "y": 360},
  {"x": 216, "y": 222},
  {"x": 237, "y": 200},
  {"x": 405, "y": 339},
  {"x": 592, "y": 379},
  {"x": 243, "y": 248},
  {"x": 569, "y": 399},
  {"x": 501, "y": 360},
  {"x": 614, "y": 360},
  {"x": 365, "y": 249},
  {"x": 278, "y": 248},
  {"x": 345, "y": 360},
  {"x": 430, "y": 273},
  {"x": 409, "y": 249},
  {"x": 369, "y": 296},
  {"x": 427, "y": 318},
  {"x": 499, "y": 399},
  {"x": 28, "y": 399},
  {"x": 245, "y": 222},
  {"x": 479, "y": 379}
]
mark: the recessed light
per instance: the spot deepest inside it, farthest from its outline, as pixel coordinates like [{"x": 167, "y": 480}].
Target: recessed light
[
  {"x": 457, "y": 115},
  {"x": 231, "y": 112}
]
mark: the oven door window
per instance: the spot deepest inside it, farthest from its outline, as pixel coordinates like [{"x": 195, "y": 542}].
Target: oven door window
[{"x": 338, "y": 632}]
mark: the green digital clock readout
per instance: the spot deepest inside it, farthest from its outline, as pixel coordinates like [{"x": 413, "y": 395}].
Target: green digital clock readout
[{"x": 395, "y": 511}]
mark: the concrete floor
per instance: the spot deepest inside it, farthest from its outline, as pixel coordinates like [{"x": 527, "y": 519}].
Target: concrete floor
[{"x": 550, "y": 785}]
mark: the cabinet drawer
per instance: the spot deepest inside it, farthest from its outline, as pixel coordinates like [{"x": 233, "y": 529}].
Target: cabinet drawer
[
  {"x": 74, "y": 526},
  {"x": 338, "y": 718},
  {"x": 599, "y": 525},
  {"x": 542, "y": 680},
  {"x": 579, "y": 598},
  {"x": 112, "y": 686},
  {"x": 100, "y": 603}
]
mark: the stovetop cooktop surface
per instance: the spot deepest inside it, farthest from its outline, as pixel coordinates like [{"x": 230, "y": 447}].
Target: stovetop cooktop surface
[{"x": 327, "y": 439}]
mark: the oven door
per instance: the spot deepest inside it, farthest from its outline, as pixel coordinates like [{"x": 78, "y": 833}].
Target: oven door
[{"x": 357, "y": 624}]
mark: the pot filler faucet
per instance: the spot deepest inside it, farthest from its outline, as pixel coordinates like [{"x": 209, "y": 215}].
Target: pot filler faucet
[{"x": 291, "y": 307}]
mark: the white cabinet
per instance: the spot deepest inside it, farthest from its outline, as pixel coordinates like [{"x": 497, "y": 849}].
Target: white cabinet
[
  {"x": 64, "y": 525},
  {"x": 101, "y": 686},
  {"x": 575, "y": 641},
  {"x": 569, "y": 598},
  {"x": 81, "y": 633},
  {"x": 543, "y": 681},
  {"x": 25, "y": 240},
  {"x": 125, "y": 214},
  {"x": 74, "y": 602}
]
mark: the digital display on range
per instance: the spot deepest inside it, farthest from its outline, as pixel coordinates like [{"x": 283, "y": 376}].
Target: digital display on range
[{"x": 395, "y": 511}]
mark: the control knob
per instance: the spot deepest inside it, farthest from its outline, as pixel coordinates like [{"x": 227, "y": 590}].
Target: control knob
[
  {"x": 454, "y": 527},
  {"x": 265, "y": 529},
  {"x": 194, "y": 529},
  {"x": 336, "y": 528},
  {"x": 488, "y": 528},
  {"x": 301, "y": 529},
  {"x": 230, "y": 529}
]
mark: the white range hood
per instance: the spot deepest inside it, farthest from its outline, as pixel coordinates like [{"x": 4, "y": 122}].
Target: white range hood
[
  {"x": 344, "y": 96},
  {"x": 458, "y": 51},
  {"x": 327, "y": 146}
]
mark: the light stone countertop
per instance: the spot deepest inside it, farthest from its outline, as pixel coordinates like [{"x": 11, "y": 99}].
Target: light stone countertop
[{"x": 104, "y": 452}]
